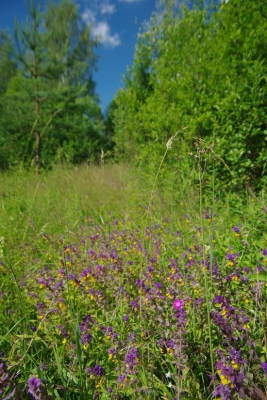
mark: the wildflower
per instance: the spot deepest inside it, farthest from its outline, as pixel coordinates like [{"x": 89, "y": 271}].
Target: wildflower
[
  {"x": 34, "y": 387},
  {"x": 237, "y": 231},
  {"x": 111, "y": 353},
  {"x": 231, "y": 259},
  {"x": 168, "y": 375},
  {"x": 91, "y": 253},
  {"x": 264, "y": 366},
  {"x": 134, "y": 304},
  {"x": 131, "y": 358},
  {"x": 97, "y": 370},
  {"x": 121, "y": 378},
  {"x": 218, "y": 300},
  {"x": 86, "y": 339},
  {"x": 125, "y": 318},
  {"x": 3, "y": 376},
  {"x": 178, "y": 304}
]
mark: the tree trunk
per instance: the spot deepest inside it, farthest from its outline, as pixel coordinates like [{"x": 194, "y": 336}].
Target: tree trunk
[{"x": 37, "y": 110}]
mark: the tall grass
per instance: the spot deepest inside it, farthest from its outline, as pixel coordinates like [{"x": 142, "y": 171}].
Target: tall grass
[{"x": 117, "y": 285}]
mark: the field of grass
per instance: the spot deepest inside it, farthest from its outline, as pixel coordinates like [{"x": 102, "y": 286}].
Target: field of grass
[{"x": 117, "y": 286}]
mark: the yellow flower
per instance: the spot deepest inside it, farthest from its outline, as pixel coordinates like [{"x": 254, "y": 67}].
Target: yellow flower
[
  {"x": 224, "y": 312},
  {"x": 235, "y": 365},
  {"x": 235, "y": 278},
  {"x": 224, "y": 379}
]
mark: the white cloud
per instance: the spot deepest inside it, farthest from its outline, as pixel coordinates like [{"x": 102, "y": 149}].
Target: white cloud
[
  {"x": 100, "y": 7},
  {"x": 129, "y": 1},
  {"x": 101, "y": 30},
  {"x": 107, "y": 8},
  {"x": 88, "y": 16}
]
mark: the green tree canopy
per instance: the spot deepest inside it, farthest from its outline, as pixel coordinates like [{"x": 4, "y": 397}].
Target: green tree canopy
[
  {"x": 50, "y": 111},
  {"x": 202, "y": 68}
]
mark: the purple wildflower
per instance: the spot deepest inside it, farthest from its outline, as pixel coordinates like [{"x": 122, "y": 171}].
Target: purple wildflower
[
  {"x": 125, "y": 318},
  {"x": 3, "y": 376},
  {"x": 178, "y": 304},
  {"x": 131, "y": 358},
  {"x": 86, "y": 339},
  {"x": 34, "y": 387},
  {"x": 134, "y": 304},
  {"x": 121, "y": 378},
  {"x": 98, "y": 370},
  {"x": 264, "y": 366},
  {"x": 236, "y": 229}
]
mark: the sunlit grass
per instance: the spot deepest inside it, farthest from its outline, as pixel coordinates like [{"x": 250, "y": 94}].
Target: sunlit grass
[{"x": 103, "y": 297}]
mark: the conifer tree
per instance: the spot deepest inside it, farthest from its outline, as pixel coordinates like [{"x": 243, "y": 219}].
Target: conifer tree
[{"x": 51, "y": 110}]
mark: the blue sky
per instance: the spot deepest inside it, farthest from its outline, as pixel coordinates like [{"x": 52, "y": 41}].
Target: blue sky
[{"x": 115, "y": 22}]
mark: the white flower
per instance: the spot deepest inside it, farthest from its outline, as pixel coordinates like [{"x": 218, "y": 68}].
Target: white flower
[
  {"x": 169, "y": 385},
  {"x": 168, "y": 375}
]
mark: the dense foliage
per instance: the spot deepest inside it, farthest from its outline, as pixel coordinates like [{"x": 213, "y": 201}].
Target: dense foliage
[
  {"x": 204, "y": 69},
  {"x": 48, "y": 108}
]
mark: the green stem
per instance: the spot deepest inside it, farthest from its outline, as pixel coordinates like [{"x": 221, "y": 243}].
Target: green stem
[{"x": 206, "y": 286}]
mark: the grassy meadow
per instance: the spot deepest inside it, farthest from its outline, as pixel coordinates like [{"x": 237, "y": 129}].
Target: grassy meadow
[{"x": 118, "y": 284}]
